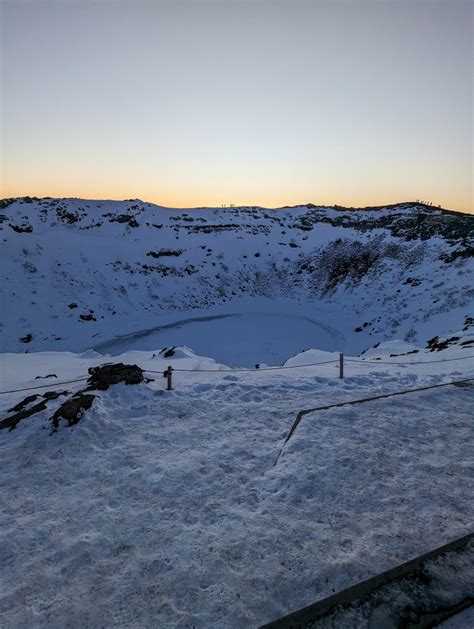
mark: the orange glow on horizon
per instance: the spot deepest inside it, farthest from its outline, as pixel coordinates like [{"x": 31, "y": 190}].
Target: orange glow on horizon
[
  {"x": 191, "y": 104},
  {"x": 216, "y": 199}
]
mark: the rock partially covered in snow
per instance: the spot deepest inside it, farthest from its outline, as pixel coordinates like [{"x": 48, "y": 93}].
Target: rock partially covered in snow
[
  {"x": 390, "y": 349},
  {"x": 72, "y": 410},
  {"x": 105, "y": 375}
]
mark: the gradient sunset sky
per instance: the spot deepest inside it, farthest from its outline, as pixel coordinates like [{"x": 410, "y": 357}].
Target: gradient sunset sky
[{"x": 264, "y": 103}]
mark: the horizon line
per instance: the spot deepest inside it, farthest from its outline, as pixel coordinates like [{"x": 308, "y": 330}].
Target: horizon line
[{"x": 228, "y": 206}]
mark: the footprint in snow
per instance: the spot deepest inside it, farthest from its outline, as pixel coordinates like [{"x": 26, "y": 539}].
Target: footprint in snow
[{"x": 201, "y": 388}]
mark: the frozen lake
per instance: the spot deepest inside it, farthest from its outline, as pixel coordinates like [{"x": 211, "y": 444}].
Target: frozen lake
[{"x": 238, "y": 340}]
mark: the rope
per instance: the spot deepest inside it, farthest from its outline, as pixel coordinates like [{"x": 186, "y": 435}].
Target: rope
[
  {"x": 327, "y": 362},
  {"x": 254, "y": 370},
  {"x": 43, "y": 386},
  {"x": 238, "y": 369},
  {"x": 419, "y": 362}
]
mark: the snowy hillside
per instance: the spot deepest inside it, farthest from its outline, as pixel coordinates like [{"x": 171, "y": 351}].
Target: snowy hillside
[{"x": 79, "y": 274}]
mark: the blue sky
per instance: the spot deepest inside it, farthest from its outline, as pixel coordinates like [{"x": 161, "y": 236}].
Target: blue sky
[{"x": 269, "y": 103}]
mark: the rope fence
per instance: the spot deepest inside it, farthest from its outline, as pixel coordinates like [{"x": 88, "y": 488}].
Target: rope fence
[
  {"x": 168, "y": 372},
  {"x": 44, "y": 386},
  {"x": 244, "y": 369},
  {"x": 327, "y": 362},
  {"x": 375, "y": 361}
]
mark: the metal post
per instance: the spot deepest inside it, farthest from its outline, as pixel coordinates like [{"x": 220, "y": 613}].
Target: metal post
[
  {"x": 169, "y": 372},
  {"x": 341, "y": 366}
]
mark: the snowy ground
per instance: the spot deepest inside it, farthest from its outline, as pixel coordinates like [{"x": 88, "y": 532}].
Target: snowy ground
[{"x": 164, "y": 508}]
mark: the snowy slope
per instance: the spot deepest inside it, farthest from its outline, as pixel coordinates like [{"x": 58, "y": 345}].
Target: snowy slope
[
  {"x": 79, "y": 274},
  {"x": 165, "y": 508}
]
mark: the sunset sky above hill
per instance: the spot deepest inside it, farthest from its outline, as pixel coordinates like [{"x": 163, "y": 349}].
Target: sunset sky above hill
[{"x": 267, "y": 103}]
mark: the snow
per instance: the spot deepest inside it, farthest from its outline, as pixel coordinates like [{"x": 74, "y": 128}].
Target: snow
[
  {"x": 239, "y": 339},
  {"x": 394, "y": 348},
  {"x": 79, "y": 261},
  {"x": 165, "y": 508}
]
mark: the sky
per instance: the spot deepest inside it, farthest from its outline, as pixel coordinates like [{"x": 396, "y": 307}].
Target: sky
[{"x": 262, "y": 103}]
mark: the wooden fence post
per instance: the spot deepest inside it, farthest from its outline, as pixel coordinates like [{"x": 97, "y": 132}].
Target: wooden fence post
[
  {"x": 169, "y": 373},
  {"x": 341, "y": 366}
]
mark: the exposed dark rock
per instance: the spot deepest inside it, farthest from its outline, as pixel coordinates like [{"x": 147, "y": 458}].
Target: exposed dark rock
[
  {"x": 27, "y": 338},
  {"x": 420, "y": 223},
  {"x": 466, "y": 252},
  {"x": 435, "y": 345},
  {"x": 105, "y": 375},
  {"x": 53, "y": 395},
  {"x": 165, "y": 252},
  {"x": 413, "y": 281},
  {"x": 124, "y": 218},
  {"x": 413, "y": 351},
  {"x": 87, "y": 317},
  {"x": 366, "y": 350},
  {"x": 22, "y": 229},
  {"x": 69, "y": 216},
  {"x": 49, "y": 375},
  {"x": 468, "y": 322},
  {"x": 12, "y": 421},
  {"x": 73, "y": 409},
  {"x": 209, "y": 229},
  {"x": 21, "y": 405},
  {"x": 343, "y": 260}
]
